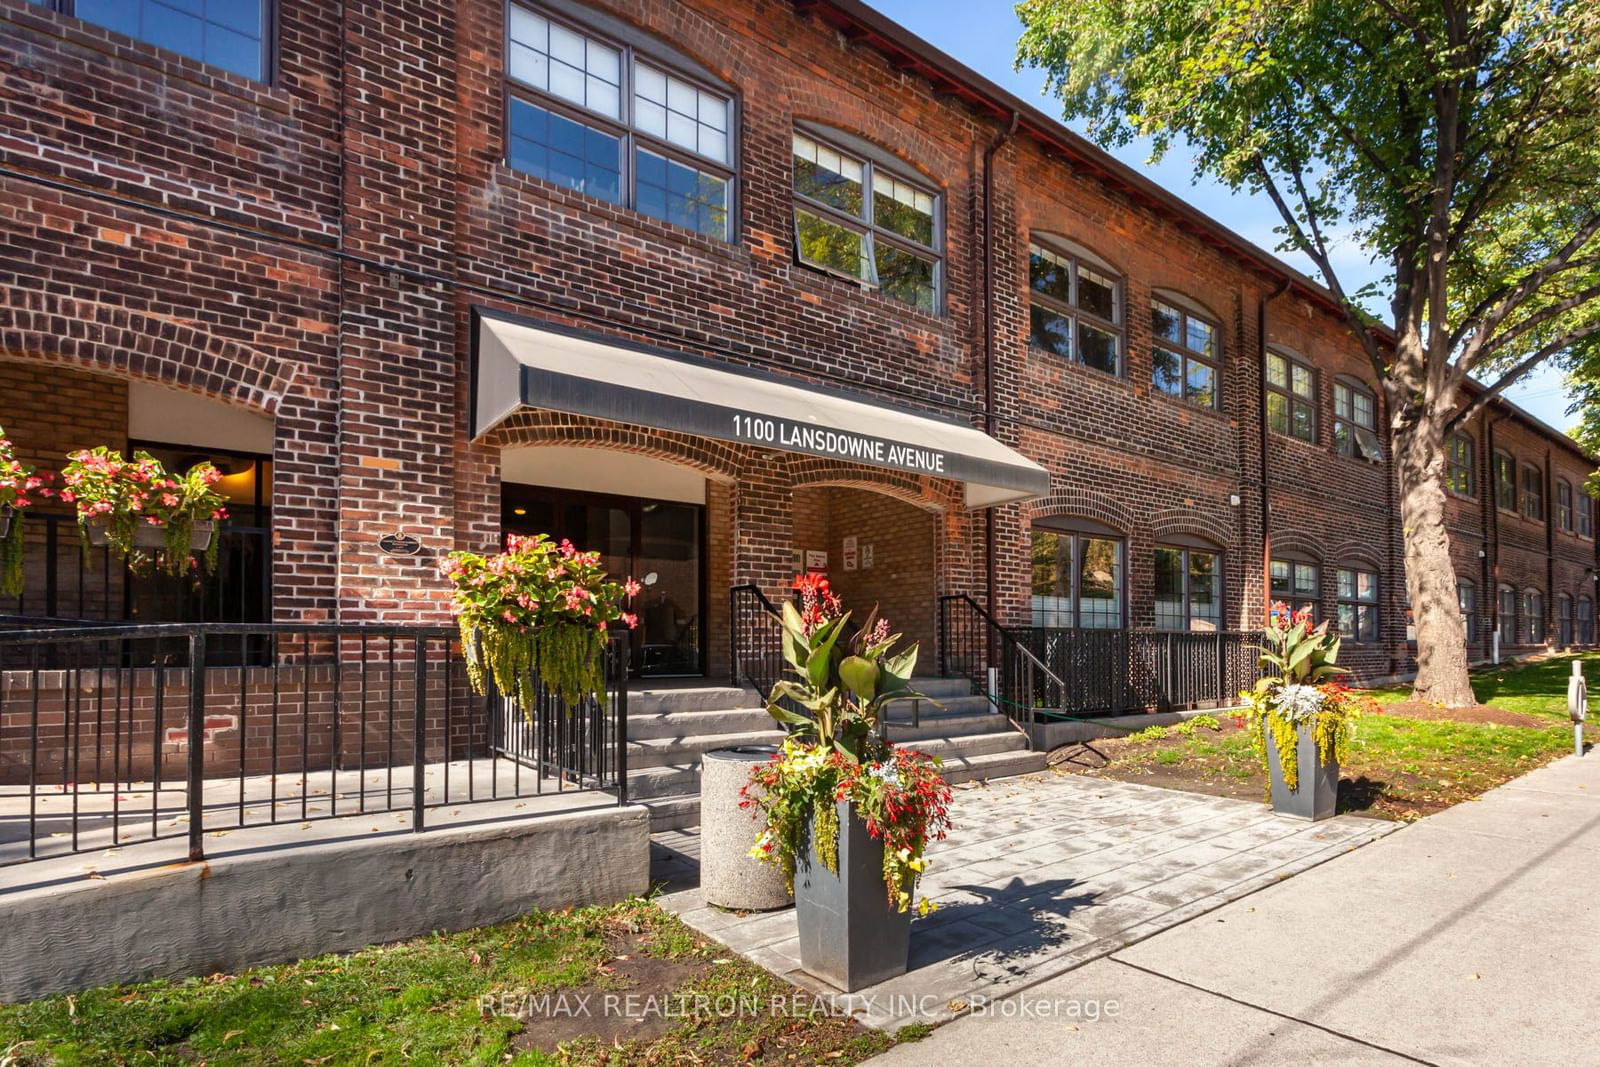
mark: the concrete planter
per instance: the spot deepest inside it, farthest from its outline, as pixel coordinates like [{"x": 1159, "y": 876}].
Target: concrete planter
[
  {"x": 850, "y": 936},
  {"x": 147, "y": 536},
  {"x": 729, "y": 877},
  {"x": 1318, "y": 792}
]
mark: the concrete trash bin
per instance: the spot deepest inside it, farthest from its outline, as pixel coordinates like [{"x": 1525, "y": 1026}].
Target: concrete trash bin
[{"x": 729, "y": 877}]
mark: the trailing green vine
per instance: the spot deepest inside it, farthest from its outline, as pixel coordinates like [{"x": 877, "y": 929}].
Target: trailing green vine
[
  {"x": 536, "y": 613},
  {"x": 20, "y": 487}
]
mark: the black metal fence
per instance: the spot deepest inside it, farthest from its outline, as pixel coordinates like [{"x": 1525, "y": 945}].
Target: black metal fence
[
  {"x": 336, "y": 720},
  {"x": 1045, "y": 672}
]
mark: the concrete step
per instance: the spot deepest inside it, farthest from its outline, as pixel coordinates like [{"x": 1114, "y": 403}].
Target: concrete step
[
  {"x": 949, "y": 726},
  {"x": 969, "y": 745},
  {"x": 664, "y": 751},
  {"x": 646, "y": 700},
  {"x": 672, "y": 813},
  {"x": 941, "y": 687},
  {"x": 993, "y": 765},
  {"x": 666, "y": 780},
  {"x": 902, "y": 709},
  {"x": 643, "y": 727}
]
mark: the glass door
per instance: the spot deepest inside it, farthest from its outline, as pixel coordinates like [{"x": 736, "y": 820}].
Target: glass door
[{"x": 660, "y": 543}]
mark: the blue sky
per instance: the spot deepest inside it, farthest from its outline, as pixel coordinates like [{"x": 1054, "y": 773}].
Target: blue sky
[{"x": 986, "y": 42}]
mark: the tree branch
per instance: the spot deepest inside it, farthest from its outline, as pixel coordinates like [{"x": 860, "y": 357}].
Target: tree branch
[
  {"x": 1537, "y": 319},
  {"x": 1521, "y": 368}
]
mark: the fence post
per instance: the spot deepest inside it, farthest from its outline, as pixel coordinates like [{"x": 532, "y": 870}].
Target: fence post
[
  {"x": 196, "y": 734},
  {"x": 1222, "y": 670},
  {"x": 733, "y": 638},
  {"x": 943, "y": 639},
  {"x": 418, "y": 731},
  {"x": 622, "y": 723}
]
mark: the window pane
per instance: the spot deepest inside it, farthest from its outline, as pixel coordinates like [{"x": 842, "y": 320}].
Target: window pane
[
  {"x": 1300, "y": 379},
  {"x": 683, "y": 114},
  {"x": 905, "y": 277},
  {"x": 901, "y": 208},
  {"x": 1365, "y": 412},
  {"x": 565, "y": 63},
  {"x": 1341, "y": 438},
  {"x": 1052, "y": 579},
  {"x": 1169, "y": 589},
  {"x": 1278, "y": 412},
  {"x": 225, "y": 33},
  {"x": 1341, "y": 400},
  {"x": 567, "y": 153},
  {"x": 1366, "y": 586},
  {"x": 1050, "y": 331},
  {"x": 827, "y": 244},
  {"x": 1097, "y": 293},
  {"x": 1049, "y": 274},
  {"x": 827, "y": 176},
  {"x": 1202, "y": 338},
  {"x": 1097, "y": 349},
  {"x": 1202, "y": 384},
  {"x": 1347, "y": 585},
  {"x": 1277, "y": 371},
  {"x": 1167, "y": 372},
  {"x": 1099, "y": 585},
  {"x": 682, "y": 195},
  {"x": 1281, "y": 586},
  {"x": 1302, "y": 427},
  {"x": 1305, "y": 578},
  {"x": 1166, "y": 322},
  {"x": 1205, "y": 600}
]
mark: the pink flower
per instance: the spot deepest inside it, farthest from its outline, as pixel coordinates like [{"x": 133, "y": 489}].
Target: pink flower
[
  {"x": 630, "y": 620},
  {"x": 631, "y": 587},
  {"x": 66, "y": 495},
  {"x": 169, "y": 500}
]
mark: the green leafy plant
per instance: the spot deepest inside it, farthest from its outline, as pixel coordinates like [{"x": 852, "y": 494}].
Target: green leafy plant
[
  {"x": 835, "y": 752},
  {"x": 19, "y": 488},
  {"x": 120, "y": 495},
  {"x": 537, "y": 611},
  {"x": 1297, "y": 688}
]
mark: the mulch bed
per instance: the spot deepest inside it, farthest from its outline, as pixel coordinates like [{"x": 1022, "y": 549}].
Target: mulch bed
[{"x": 1478, "y": 713}]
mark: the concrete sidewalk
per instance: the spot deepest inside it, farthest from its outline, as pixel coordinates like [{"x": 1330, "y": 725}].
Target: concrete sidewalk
[{"x": 1472, "y": 937}]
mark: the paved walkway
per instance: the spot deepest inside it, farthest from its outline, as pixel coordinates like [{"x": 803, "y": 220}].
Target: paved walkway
[
  {"x": 1472, "y": 937},
  {"x": 1043, "y": 874}
]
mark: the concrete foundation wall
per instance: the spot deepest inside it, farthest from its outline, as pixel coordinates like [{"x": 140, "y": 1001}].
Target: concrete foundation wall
[{"x": 275, "y": 905}]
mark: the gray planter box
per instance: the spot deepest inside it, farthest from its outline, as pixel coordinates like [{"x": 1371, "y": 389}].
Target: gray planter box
[
  {"x": 729, "y": 877},
  {"x": 850, "y": 937},
  {"x": 146, "y": 536},
  {"x": 1318, "y": 794}
]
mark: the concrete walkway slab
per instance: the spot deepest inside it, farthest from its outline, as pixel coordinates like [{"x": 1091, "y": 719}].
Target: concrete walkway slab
[
  {"x": 1472, "y": 937},
  {"x": 1042, "y": 874}
]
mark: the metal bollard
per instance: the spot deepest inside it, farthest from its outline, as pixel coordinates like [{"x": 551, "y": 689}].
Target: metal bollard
[{"x": 1577, "y": 705}]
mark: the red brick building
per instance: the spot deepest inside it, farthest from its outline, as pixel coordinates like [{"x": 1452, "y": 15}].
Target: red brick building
[{"x": 723, "y": 288}]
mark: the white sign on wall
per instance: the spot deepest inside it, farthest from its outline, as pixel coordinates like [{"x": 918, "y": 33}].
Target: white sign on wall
[
  {"x": 866, "y": 556},
  {"x": 816, "y": 559},
  {"x": 850, "y": 553}
]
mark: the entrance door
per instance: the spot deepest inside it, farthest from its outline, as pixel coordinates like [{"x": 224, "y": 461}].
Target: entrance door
[{"x": 658, "y": 542}]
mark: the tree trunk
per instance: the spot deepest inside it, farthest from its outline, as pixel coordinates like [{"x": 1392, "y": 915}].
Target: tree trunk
[{"x": 1430, "y": 576}]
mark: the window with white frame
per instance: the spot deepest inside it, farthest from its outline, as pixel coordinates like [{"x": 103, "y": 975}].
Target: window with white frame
[
  {"x": 1188, "y": 587},
  {"x": 1459, "y": 470},
  {"x": 1583, "y": 511},
  {"x": 1074, "y": 308},
  {"x": 1532, "y": 493},
  {"x": 1506, "y": 623},
  {"x": 1355, "y": 422},
  {"x": 1467, "y": 601},
  {"x": 1184, "y": 361},
  {"x": 593, "y": 115},
  {"x": 1533, "y": 617},
  {"x": 1564, "y": 505},
  {"x": 1358, "y": 603},
  {"x": 859, "y": 219}
]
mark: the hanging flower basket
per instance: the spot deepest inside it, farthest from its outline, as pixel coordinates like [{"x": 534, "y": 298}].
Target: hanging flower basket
[
  {"x": 139, "y": 510},
  {"x": 536, "y": 613},
  {"x": 20, "y": 488},
  {"x": 98, "y": 531}
]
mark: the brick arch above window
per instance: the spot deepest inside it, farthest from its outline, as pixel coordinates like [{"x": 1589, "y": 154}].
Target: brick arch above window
[
  {"x": 1296, "y": 544},
  {"x": 1356, "y": 554},
  {"x": 717, "y": 460},
  {"x": 1062, "y": 502},
  {"x": 1213, "y": 530},
  {"x": 928, "y": 494},
  {"x": 116, "y": 340}
]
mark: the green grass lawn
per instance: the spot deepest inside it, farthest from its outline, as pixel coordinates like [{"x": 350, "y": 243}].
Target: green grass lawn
[
  {"x": 418, "y": 1002},
  {"x": 1398, "y": 767},
  {"x": 1530, "y": 688}
]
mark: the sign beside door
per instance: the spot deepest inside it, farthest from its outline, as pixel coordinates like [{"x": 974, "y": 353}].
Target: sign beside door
[
  {"x": 816, "y": 559},
  {"x": 850, "y": 556}
]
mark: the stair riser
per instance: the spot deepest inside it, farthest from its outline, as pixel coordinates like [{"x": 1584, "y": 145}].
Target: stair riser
[
  {"x": 1021, "y": 763},
  {"x": 709, "y": 698},
  {"x": 953, "y": 727},
  {"x": 697, "y": 723},
  {"x": 962, "y": 705},
  {"x": 973, "y": 745},
  {"x": 942, "y": 687},
  {"x": 690, "y": 749}
]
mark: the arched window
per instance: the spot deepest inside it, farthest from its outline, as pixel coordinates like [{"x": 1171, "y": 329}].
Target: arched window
[
  {"x": 1532, "y": 493},
  {"x": 1506, "y": 610},
  {"x": 1467, "y": 600},
  {"x": 1074, "y": 305},
  {"x": 1188, "y": 585},
  {"x": 1291, "y": 396},
  {"x": 1355, "y": 421},
  {"x": 1533, "y": 617},
  {"x": 1459, "y": 469},
  {"x": 1296, "y": 580},
  {"x": 1564, "y": 620},
  {"x": 1185, "y": 359},
  {"x": 1564, "y": 504},
  {"x": 1585, "y": 621},
  {"x": 1358, "y": 602},
  {"x": 861, "y": 215},
  {"x": 592, "y": 113},
  {"x": 1505, "y": 482},
  {"x": 1077, "y": 574}
]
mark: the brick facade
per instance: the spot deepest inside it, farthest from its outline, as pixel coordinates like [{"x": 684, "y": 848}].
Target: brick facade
[{"x": 311, "y": 250}]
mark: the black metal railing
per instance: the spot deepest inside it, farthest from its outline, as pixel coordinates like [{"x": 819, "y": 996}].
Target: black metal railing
[
  {"x": 339, "y": 720},
  {"x": 755, "y": 639},
  {"x": 1045, "y": 673}
]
